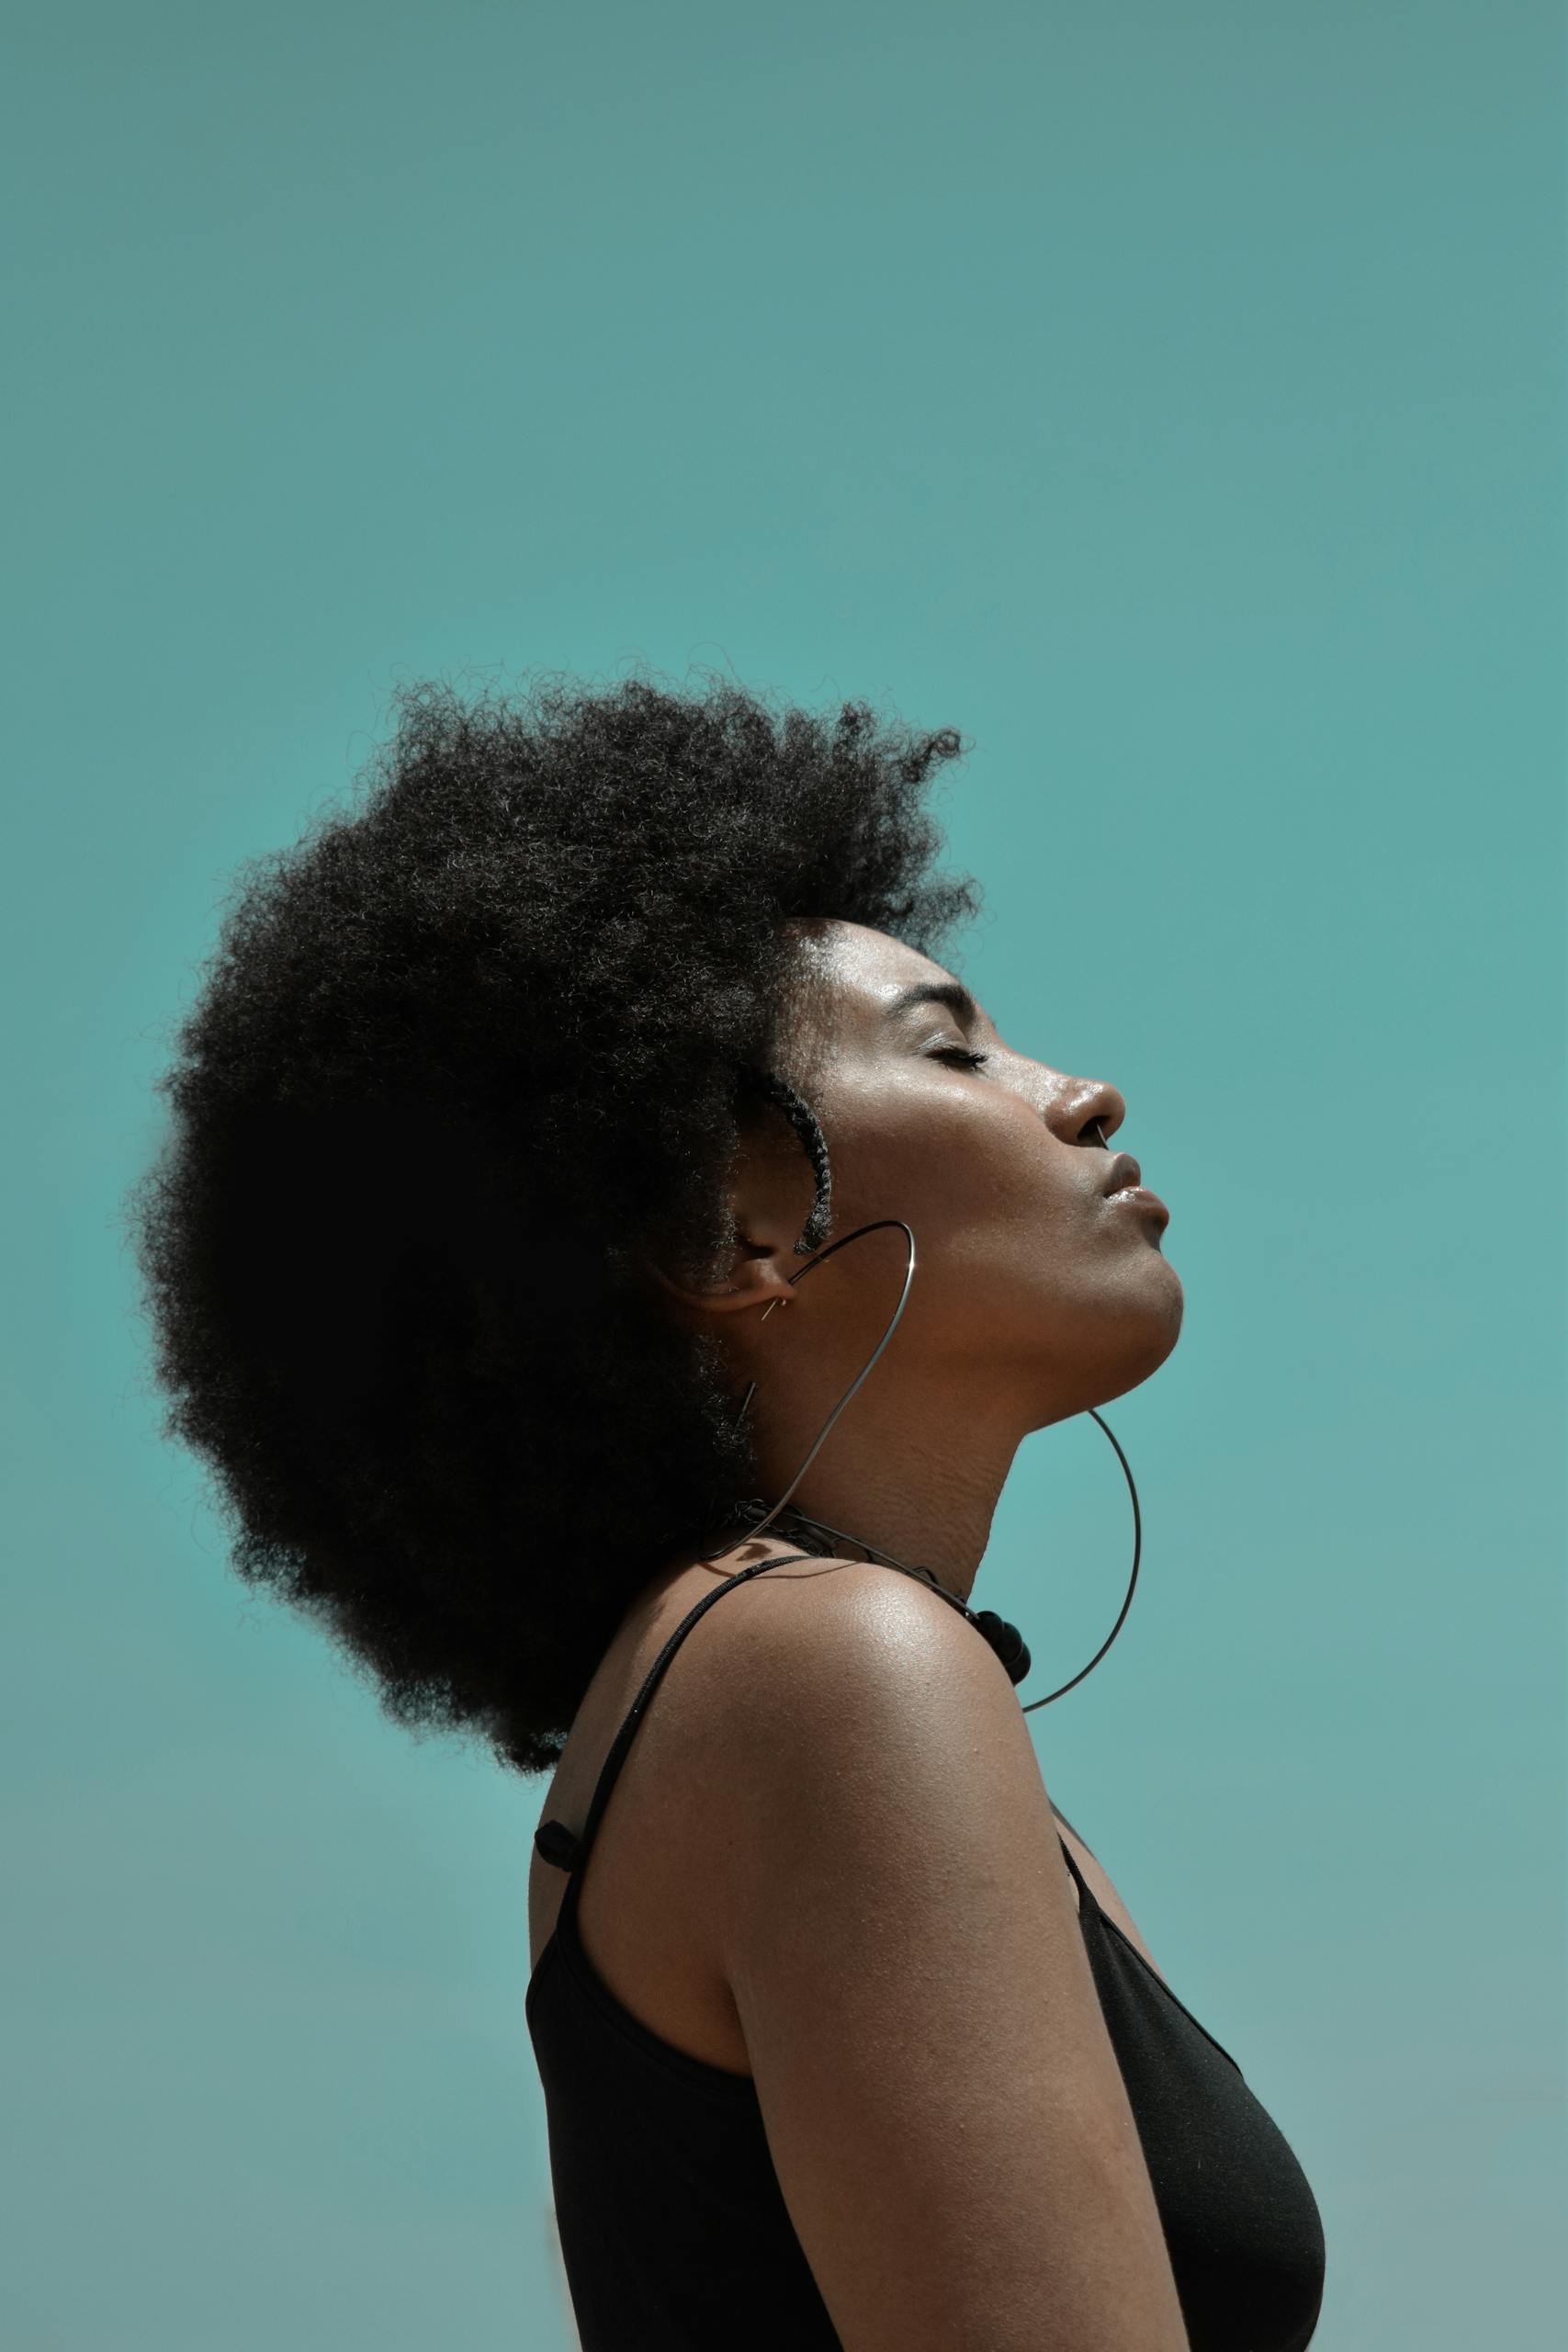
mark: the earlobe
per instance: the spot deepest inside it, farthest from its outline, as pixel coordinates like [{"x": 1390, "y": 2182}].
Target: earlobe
[{"x": 766, "y": 1294}]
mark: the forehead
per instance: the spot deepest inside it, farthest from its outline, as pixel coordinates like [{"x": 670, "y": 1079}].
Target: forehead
[{"x": 854, "y": 978}]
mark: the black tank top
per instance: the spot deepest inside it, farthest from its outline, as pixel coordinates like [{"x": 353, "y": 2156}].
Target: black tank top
[{"x": 673, "y": 2229}]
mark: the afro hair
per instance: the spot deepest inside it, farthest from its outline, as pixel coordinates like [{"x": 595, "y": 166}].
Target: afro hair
[{"x": 462, "y": 1061}]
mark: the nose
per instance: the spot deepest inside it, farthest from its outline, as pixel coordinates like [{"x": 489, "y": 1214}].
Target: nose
[{"x": 1093, "y": 1114}]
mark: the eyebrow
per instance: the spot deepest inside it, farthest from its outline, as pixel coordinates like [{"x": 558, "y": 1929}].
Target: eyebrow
[{"x": 952, "y": 993}]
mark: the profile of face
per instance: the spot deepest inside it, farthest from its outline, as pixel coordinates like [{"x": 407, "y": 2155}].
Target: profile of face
[
  {"x": 1035, "y": 1290},
  {"x": 1035, "y": 1294}
]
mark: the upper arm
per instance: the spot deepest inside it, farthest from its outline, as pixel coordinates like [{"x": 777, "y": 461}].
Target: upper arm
[{"x": 946, "y": 2112}]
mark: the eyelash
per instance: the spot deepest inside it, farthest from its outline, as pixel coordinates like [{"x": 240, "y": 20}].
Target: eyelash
[{"x": 960, "y": 1054}]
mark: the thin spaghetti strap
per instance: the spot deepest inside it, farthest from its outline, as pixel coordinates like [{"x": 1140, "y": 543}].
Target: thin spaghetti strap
[
  {"x": 1084, "y": 1888},
  {"x": 553, "y": 1840}
]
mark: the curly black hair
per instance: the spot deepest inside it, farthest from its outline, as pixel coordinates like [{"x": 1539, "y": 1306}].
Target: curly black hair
[{"x": 464, "y": 1059}]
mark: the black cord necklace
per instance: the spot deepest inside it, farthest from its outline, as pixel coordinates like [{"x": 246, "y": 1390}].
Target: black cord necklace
[{"x": 814, "y": 1536}]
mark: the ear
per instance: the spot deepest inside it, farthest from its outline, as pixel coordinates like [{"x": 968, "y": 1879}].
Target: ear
[
  {"x": 761, "y": 1283},
  {"x": 771, "y": 1196},
  {"x": 758, "y": 1269}
]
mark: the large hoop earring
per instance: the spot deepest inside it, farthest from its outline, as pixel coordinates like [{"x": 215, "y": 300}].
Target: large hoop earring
[{"x": 1004, "y": 1638}]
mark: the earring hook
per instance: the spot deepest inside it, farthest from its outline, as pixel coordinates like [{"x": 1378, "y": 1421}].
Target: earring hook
[{"x": 810, "y": 1267}]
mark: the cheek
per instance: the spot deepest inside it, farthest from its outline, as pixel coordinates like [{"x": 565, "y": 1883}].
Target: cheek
[{"x": 975, "y": 1173}]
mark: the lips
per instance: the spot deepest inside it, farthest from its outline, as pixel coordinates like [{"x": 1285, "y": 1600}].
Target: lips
[{"x": 1123, "y": 1173}]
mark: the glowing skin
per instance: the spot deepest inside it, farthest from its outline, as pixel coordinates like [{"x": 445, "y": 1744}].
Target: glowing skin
[{"x": 1034, "y": 1294}]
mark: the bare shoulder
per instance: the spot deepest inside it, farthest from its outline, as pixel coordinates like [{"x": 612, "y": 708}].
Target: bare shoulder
[
  {"x": 814, "y": 1634},
  {"x": 947, "y": 2119},
  {"x": 845, "y": 1682}
]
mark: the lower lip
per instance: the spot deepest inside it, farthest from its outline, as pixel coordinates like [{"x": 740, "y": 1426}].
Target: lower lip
[{"x": 1141, "y": 1197}]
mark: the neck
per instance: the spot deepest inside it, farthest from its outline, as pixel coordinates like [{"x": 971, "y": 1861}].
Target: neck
[{"x": 912, "y": 1481}]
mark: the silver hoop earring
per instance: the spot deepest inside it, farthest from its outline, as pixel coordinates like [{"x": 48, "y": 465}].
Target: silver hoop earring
[{"x": 1003, "y": 1637}]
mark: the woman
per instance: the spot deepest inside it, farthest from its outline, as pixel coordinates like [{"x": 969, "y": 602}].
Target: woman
[{"x": 561, "y": 1140}]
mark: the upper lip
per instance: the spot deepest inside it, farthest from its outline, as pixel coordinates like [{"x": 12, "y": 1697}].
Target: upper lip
[{"x": 1122, "y": 1171}]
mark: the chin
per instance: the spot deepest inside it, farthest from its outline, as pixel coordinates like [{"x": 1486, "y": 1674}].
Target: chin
[
  {"x": 1168, "y": 1303},
  {"x": 1167, "y": 1282},
  {"x": 1141, "y": 1333}
]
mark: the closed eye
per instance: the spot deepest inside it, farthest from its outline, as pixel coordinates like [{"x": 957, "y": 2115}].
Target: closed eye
[{"x": 959, "y": 1054}]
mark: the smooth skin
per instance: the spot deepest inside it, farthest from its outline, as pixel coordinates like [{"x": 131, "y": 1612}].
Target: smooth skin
[
  {"x": 832, "y": 1860},
  {"x": 1034, "y": 1296}
]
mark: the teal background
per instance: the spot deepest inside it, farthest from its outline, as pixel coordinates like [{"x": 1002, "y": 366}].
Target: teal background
[{"x": 1172, "y": 399}]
